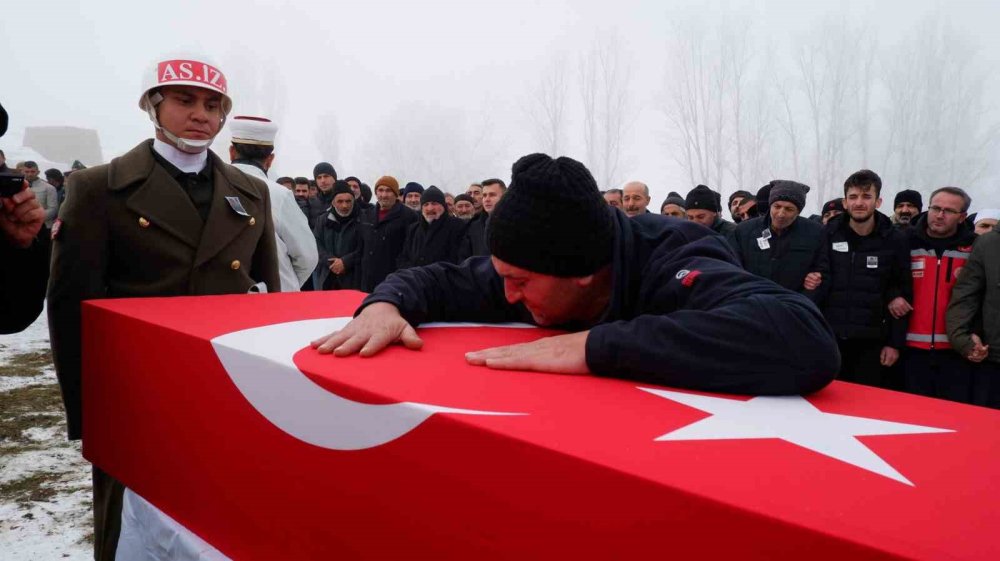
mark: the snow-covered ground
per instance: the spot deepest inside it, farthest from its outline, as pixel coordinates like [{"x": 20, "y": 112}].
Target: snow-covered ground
[{"x": 45, "y": 498}]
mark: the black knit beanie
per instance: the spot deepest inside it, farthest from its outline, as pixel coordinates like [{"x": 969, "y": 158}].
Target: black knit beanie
[
  {"x": 788, "y": 191},
  {"x": 412, "y": 187},
  {"x": 432, "y": 195},
  {"x": 740, "y": 195},
  {"x": 701, "y": 197},
  {"x": 552, "y": 219},
  {"x": 674, "y": 198},
  {"x": 833, "y": 204},
  {"x": 464, "y": 197},
  {"x": 909, "y": 196},
  {"x": 324, "y": 167},
  {"x": 342, "y": 187}
]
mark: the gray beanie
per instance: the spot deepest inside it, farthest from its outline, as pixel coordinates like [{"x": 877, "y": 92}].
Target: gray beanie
[{"x": 789, "y": 191}]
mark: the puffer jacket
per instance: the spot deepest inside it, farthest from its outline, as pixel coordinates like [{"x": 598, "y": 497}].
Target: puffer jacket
[{"x": 861, "y": 275}]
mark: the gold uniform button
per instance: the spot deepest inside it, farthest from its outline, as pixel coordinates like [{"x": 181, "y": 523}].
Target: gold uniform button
[
  {"x": 143, "y": 223},
  {"x": 252, "y": 221},
  {"x": 235, "y": 265}
]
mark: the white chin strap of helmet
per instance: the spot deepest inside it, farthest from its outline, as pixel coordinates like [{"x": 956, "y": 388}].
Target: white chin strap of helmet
[{"x": 188, "y": 145}]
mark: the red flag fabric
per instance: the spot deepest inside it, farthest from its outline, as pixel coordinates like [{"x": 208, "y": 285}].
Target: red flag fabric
[{"x": 193, "y": 403}]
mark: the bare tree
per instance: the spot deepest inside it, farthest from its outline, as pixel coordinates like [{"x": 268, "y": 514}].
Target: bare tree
[
  {"x": 940, "y": 128},
  {"x": 694, "y": 80},
  {"x": 826, "y": 70},
  {"x": 719, "y": 104},
  {"x": 546, "y": 107},
  {"x": 605, "y": 82}
]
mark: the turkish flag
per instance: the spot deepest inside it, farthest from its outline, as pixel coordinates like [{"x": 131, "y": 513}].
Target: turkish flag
[{"x": 215, "y": 410}]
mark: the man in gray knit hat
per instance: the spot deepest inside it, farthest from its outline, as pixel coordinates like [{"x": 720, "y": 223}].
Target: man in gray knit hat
[
  {"x": 639, "y": 296},
  {"x": 778, "y": 245}
]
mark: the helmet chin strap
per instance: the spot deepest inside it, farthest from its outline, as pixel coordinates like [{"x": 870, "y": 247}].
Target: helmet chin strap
[{"x": 188, "y": 145}]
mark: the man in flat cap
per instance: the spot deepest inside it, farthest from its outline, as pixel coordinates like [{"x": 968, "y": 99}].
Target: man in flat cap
[
  {"x": 252, "y": 152},
  {"x": 640, "y": 296}
]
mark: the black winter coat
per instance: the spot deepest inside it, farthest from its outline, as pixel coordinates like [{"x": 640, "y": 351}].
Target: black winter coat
[
  {"x": 338, "y": 236},
  {"x": 722, "y": 226},
  {"x": 682, "y": 313},
  {"x": 475, "y": 237},
  {"x": 440, "y": 240},
  {"x": 789, "y": 257},
  {"x": 312, "y": 208},
  {"x": 24, "y": 274},
  {"x": 382, "y": 242},
  {"x": 861, "y": 275}
]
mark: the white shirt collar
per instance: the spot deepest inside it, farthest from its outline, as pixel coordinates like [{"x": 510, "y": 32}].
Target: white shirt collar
[{"x": 188, "y": 163}]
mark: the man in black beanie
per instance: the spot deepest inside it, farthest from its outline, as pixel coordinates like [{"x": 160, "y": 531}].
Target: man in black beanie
[
  {"x": 411, "y": 195},
  {"x": 338, "y": 242},
  {"x": 640, "y": 295},
  {"x": 325, "y": 176},
  {"x": 702, "y": 205},
  {"x": 735, "y": 201},
  {"x": 673, "y": 205},
  {"x": 831, "y": 209},
  {"x": 437, "y": 236},
  {"x": 905, "y": 207},
  {"x": 465, "y": 207},
  {"x": 777, "y": 245}
]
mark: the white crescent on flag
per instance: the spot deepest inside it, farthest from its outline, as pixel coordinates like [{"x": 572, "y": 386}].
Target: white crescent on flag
[{"x": 260, "y": 362}]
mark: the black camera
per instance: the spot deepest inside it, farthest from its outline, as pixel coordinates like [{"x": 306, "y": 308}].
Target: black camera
[{"x": 10, "y": 185}]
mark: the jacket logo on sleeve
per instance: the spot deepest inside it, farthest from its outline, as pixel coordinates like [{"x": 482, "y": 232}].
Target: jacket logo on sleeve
[{"x": 687, "y": 277}]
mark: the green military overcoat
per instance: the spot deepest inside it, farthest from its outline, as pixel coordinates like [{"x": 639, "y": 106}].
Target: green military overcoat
[{"x": 128, "y": 229}]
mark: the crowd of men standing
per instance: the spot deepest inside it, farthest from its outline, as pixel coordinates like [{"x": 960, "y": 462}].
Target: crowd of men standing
[
  {"x": 913, "y": 298},
  {"x": 360, "y": 242},
  {"x": 905, "y": 294}
]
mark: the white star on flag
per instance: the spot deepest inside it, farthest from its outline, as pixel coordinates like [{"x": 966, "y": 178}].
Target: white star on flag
[{"x": 792, "y": 419}]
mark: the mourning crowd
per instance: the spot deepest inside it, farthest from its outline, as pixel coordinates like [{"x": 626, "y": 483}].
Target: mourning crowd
[
  {"x": 904, "y": 293},
  {"x": 768, "y": 303}
]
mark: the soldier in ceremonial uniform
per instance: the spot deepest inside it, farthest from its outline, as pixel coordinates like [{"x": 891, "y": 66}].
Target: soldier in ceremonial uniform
[{"x": 168, "y": 218}]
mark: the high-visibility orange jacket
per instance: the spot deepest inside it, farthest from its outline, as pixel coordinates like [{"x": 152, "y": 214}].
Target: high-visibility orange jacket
[{"x": 934, "y": 269}]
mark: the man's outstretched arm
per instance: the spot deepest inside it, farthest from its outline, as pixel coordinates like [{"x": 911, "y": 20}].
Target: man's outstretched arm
[{"x": 471, "y": 291}]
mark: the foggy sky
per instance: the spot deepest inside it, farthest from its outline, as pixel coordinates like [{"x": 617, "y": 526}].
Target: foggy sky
[{"x": 468, "y": 63}]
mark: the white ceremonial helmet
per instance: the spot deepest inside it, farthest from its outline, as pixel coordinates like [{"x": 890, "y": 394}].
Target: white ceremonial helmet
[{"x": 183, "y": 71}]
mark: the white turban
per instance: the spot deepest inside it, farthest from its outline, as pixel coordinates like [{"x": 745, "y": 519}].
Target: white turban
[
  {"x": 253, "y": 130},
  {"x": 993, "y": 213}
]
